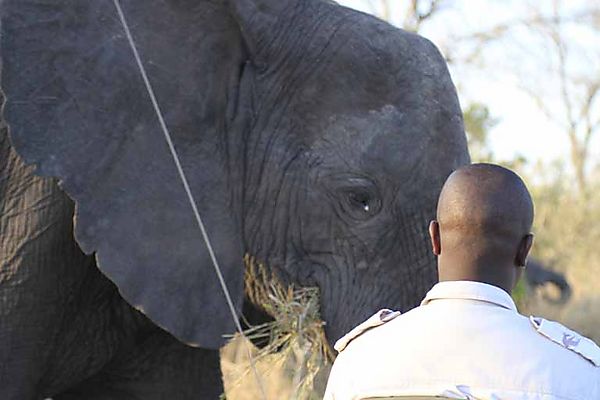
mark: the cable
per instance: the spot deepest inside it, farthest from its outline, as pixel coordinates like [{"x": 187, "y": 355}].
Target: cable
[{"x": 188, "y": 191}]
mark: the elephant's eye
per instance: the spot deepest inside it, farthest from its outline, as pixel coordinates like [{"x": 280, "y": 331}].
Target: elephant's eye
[{"x": 360, "y": 202}]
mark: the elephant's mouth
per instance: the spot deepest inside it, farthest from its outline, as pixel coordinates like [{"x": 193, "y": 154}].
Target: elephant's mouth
[{"x": 296, "y": 325}]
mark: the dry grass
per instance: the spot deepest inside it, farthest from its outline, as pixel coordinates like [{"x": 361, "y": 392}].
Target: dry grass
[
  {"x": 295, "y": 363},
  {"x": 567, "y": 237}
]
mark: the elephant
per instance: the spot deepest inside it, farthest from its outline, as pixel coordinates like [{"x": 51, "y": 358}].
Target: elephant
[
  {"x": 315, "y": 138},
  {"x": 537, "y": 274}
]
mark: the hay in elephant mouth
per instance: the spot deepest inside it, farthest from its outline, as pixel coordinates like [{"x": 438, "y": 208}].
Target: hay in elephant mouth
[{"x": 296, "y": 339}]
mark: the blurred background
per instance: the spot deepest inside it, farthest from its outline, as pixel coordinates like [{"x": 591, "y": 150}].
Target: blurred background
[{"x": 528, "y": 78}]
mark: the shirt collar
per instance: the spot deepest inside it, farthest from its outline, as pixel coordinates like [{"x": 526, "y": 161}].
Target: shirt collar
[{"x": 470, "y": 290}]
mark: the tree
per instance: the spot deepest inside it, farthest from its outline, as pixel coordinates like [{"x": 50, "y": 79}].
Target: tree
[
  {"x": 578, "y": 91},
  {"x": 558, "y": 44},
  {"x": 478, "y": 122}
]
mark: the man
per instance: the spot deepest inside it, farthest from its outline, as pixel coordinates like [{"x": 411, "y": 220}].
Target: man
[{"x": 466, "y": 340}]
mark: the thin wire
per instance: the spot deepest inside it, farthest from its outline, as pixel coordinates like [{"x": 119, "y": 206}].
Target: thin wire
[{"x": 187, "y": 190}]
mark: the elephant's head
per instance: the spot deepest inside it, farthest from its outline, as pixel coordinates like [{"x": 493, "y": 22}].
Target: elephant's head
[
  {"x": 314, "y": 137},
  {"x": 537, "y": 275}
]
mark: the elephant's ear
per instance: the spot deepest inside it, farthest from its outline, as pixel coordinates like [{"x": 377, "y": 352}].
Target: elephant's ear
[{"x": 78, "y": 109}]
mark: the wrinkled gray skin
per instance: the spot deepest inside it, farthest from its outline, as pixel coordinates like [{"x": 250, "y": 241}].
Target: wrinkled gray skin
[
  {"x": 314, "y": 137},
  {"x": 65, "y": 331}
]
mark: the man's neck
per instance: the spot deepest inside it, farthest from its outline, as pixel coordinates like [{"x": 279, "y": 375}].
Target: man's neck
[{"x": 496, "y": 275}]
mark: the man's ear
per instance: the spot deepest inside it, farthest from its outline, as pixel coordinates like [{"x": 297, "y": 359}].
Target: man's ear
[
  {"x": 434, "y": 234},
  {"x": 523, "y": 250}
]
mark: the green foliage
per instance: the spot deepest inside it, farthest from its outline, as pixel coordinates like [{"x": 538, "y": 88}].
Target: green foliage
[
  {"x": 519, "y": 294},
  {"x": 478, "y": 121}
]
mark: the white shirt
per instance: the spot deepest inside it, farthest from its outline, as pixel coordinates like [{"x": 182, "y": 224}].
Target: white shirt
[{"x": 465, "y": 341}]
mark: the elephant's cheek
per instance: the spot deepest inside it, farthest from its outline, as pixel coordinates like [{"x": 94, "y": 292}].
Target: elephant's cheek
[
  {"x": 341, "y": 312},
  {"x": 333, "y": 329},
  {"x": 350, "y": 300},
  {"x": 342, "y": 321}
]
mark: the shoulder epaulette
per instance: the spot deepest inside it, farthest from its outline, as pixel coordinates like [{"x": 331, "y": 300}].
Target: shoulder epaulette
[
  {"x": 568, "y": 339},
  {"x": 377, "y": 319}
]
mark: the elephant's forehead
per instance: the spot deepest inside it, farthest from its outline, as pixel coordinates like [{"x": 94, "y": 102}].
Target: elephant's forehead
[{"x": 388, "y": 141}]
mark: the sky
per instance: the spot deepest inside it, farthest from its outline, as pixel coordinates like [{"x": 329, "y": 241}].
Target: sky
[{"x": 523, "y": 60}]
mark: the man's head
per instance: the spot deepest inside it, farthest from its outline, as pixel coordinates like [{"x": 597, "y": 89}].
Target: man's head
[{"x": 482, "y": 232}]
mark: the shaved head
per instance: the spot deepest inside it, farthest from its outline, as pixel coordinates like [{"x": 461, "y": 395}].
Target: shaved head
[
  {"x": 484, "y": 219},
  {"x": 485, "y": 199}
]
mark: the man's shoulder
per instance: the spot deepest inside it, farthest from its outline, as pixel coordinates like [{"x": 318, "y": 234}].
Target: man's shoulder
[
  {"x": 532, "y": 338},
  {"x": 380, "y": 318},
  {"x": 565, "y": 341},
  {"x": 538, "y": 341},
  {"x": 387, "y": 325}
]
